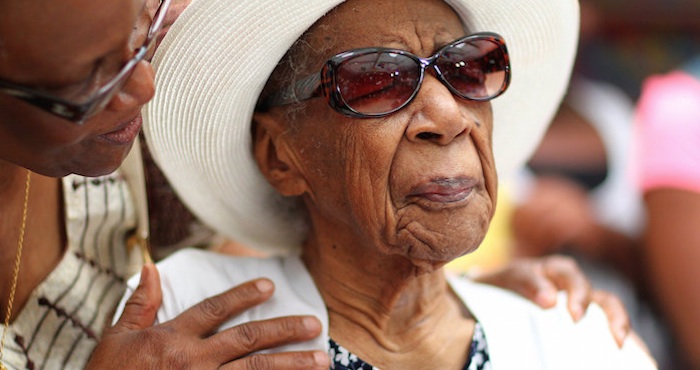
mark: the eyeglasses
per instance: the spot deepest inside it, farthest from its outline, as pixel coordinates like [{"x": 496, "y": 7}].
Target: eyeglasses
[
  {"x": 96, "y": 98},
  {"x": 376, "y": 82}
]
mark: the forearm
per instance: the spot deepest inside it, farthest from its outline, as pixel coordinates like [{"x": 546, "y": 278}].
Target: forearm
[
  {"x": 612, "y": 248},
  {"x": 672, "y": 253}
]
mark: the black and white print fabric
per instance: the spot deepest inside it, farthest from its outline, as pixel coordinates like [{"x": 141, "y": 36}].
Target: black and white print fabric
[{"x": 342, "y": 359}]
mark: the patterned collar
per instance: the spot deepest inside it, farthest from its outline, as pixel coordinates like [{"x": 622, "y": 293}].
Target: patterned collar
[{"x": 479, "y": 359}]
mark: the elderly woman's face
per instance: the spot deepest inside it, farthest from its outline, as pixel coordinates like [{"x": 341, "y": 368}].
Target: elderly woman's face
[{"x": 419, "y": 182}]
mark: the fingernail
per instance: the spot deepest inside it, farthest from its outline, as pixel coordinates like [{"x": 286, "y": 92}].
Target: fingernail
[
  {"x": 264, "y": 285},
  {"x": 622, "y": 334},
  {"x": 577, "y": 313},
  {"x": 311, "y": 324},
  {"x": 145, "y": 272},
  {"x": 321, "y": 358},
  {"x": 544, "y": 299}
]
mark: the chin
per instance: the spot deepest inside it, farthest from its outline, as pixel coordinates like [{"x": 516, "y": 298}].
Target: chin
[
  {"x": 439, "y": 248},
  {"x": 99, "y": 169},
  {"x": 99, "y": 164},
  {"x": 431, "y": 260}
]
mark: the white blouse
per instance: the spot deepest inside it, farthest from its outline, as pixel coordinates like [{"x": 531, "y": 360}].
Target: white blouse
[{"x": 520, "y": 335}]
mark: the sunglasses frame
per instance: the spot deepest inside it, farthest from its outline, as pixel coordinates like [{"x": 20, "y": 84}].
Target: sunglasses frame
[
  {"x": 325, "y": 83},
  {"x": 78, "y": 113}
]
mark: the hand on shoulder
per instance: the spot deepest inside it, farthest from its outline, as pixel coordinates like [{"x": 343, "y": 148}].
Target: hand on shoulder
[{"x": 187, "y": 340}]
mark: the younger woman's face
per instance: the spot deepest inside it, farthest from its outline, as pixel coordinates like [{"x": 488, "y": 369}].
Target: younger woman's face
[{"x": 58, "y": 46}]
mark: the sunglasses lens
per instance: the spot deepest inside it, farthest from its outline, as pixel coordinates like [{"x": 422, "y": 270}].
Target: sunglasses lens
[
  {"x": 378, "y": 82},
  {"x": 475, "y": 69}
]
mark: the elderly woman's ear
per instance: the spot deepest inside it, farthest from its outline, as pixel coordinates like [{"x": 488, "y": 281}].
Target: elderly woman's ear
[{"x": 272, "y": 153}]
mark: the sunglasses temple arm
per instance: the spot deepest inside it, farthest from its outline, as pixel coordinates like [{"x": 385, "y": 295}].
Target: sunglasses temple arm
[{"x": 304, "y": 89}]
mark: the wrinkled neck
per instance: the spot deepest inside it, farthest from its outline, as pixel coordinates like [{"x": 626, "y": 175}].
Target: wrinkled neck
[{"x": 383, "y": 308}]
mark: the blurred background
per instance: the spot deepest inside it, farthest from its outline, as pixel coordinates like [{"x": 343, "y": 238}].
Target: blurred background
[
  {"x": 626, "y": 40},
  {"x": 580, "y": 195}
]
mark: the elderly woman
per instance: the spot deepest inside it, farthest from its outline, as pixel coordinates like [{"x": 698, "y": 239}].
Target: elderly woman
[{"x": 378, "y": 127}]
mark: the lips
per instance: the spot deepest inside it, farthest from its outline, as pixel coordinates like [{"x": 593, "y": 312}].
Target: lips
[
  {"x": 126, "y": 133},
  {"x": 445, "y": 190}
]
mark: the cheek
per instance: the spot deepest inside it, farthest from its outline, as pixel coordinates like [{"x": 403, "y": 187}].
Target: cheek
[
  {"x": 369, "y": 176},
  {"x": 347, "y": 170},
  {"x": 483, "y": 142},
  {"x": 38, "y": 130}
]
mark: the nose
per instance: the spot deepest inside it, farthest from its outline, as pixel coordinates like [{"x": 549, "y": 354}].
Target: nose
[
  {"x": 137, "y": 91},
  {"x": 438, "y": 116}
]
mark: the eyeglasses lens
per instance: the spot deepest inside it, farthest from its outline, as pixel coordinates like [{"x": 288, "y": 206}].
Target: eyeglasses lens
[{"x": 145, "y": 35}]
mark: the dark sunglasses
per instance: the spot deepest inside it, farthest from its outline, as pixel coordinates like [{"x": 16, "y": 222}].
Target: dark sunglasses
[
  {"x": 375, "y": 82},
  {"x": 96, "y": 98}
]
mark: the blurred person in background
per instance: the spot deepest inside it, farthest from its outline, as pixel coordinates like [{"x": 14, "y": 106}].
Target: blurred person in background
[
  {"x": 579, "y": 194},
  {"x": 668, "y": 165},
  {"x": 579, "y": 199}
]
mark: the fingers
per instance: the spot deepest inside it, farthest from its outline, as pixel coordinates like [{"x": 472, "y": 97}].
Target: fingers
[
  {"x": 191, "y": 341},
  {"x": 538, "y": 287},
  {"x": 539, "y": 280},
  {"x": 258, "y": 335},
  {"x": 566, "y": 275},
  {"x": 526, "y": 277},
  {"x": 311, "y": 360},
  {"x": 208, "y": 315},
  {"x": 618, "y": 318},
  {"x": 141, "y": 308}
]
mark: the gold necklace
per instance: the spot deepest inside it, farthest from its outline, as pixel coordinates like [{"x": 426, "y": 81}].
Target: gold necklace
[{"x": 15, "y": 274}]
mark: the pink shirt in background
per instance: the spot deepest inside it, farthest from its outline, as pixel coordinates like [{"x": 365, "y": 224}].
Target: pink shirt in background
[{"x": 668, "y": 129}]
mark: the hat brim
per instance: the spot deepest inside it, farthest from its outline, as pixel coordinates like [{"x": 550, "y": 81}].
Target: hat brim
[{"x": 216, "y": 59}]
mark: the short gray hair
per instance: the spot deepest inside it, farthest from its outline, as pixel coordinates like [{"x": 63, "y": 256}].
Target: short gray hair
[{"x": 298, "y": 63}]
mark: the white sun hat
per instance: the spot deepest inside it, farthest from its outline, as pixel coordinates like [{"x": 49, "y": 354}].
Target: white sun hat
[{"x": 214, "y": 62}]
